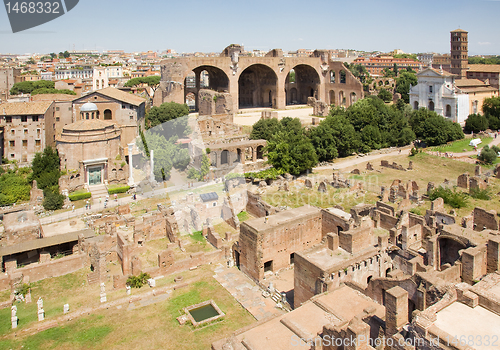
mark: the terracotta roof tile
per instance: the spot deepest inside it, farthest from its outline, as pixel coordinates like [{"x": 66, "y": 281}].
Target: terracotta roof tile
[{"x": 25, "y": 108}]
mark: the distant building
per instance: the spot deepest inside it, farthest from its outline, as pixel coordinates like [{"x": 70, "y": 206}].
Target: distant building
[
  {"x": 73, "y": 73},
  {"x": 24, "y": 129},
  {"x": 124, "y": 109},
  {"x": 487, "y": 73},
  {"x": 102, "y": 75},
  {"x": 376, "y": 65},
  {"x": 442, "y": 92},
  {"x": 459, "y": 52}
]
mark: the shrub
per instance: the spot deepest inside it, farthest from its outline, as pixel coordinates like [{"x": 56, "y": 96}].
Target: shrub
[
  {"x": 52, "y": 200},
  {"x": 121, "y": 189},
  {"x": 454, "y": 198},
  {"x": 268, "y": 174},
  {"x": 478, "y": 193},
  {"x": 487, "y": 155},
  {"x": 23, "y": 289},
  {"x": 78, "y": 196},
  {"x": 138, "y": 281}
]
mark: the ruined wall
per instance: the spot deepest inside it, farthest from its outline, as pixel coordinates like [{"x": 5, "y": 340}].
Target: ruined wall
[
  {"x": 257, "y": 207},
  {"x": 484, "y": 219},
  {"x": 305, "y": 280},
  {"x": 385, "y": 221},
  {"x": 331, "y": 222},
  {"x": 54, "y": 268},
  {"x": 356, "y": 239}
]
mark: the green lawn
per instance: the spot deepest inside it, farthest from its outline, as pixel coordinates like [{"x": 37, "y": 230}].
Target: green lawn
[
  {"x": 461, "y": 145},
  {"x": 150, "y": 327}
]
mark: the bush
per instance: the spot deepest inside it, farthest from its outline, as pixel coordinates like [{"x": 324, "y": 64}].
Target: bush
[
  {"x": 52, "y": 200},
  {"x": 487, "y": 155},
  {"x": 138, "y": 281},
  {"x": 475, "y": 123},
  {"x": 385, "y": 95},
  {"x": 78, "y": 196},
  {"x": 23, "y": 289},
  {"x": 454, "y": 198},
  {"x": 120, "y": 189},
  {"x": 268, "y": 174},
  {"x": 478, "y": 193}
]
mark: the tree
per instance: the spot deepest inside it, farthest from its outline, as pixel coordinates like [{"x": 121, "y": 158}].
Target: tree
[
  {"x": 476, "y": 123},
  {"x": 385, "y": 95},
  {"x": 395, "y": 69},
  {"x": 26, "y": 87},
  {"x": 165, "y": 112},
  {"x": 359, "y": 71},
  {"x": 152, "y": 81},
  {"x": 52, "y": 91},
  {"x": 491, "y": 109},
  {"x": 46, "y": 168},
  {"x": 164, "y": 153},
  {"x": 403, "y": 83},
  {"x": 289, "y": 149},
  {"x": 433, "y": 129},
  {"x": 487, "y": 155},
  {"x": 199, "y": 175},
  {"x": 388, "y": 73},
  {"x": 52, "y": 199},
  {"x": 264, "y": 129}
]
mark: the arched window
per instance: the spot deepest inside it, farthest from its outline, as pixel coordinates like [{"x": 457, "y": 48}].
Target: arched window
[
  {"x": 108, "y": 115},
  {"x": 415, "y": 105},
  {"x": 332, "y": 77},
  {"x": 342, "y": 77},
  {"x": 87, "y": 115},
  {"x": 448, "y": 111},
  {"x": 431, "y": 105}
]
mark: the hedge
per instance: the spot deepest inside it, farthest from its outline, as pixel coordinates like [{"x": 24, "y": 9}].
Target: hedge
[
  {"x": 78, "y": 196},
  {"x": 121, "y": 189}
]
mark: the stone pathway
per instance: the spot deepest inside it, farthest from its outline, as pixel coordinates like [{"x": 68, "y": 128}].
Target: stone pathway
[{"x": 246, "y": 292}]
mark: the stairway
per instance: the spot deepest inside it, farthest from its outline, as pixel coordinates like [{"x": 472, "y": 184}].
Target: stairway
[{"x": 98, "y": 191}]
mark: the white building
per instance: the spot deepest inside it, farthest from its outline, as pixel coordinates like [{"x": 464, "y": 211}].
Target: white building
[
  {"x": 102, "y": 75},
  {"x": 436, "y": 90},
  {"x": 73, "y": 73}
]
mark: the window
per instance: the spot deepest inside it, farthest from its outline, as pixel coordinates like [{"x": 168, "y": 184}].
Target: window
[
  {"x": 24, "y": 119},
  {"x": 131, "y": 117},
  {"x": 38, "y": 142},
  {"x": 25, "y": 143},
  {"x": 57, "y": 119},
  {"x": 34, "y": 118},
  {"x": 12, "y": 143},
  {"x": 57, "y": 108},
  {"x": 430, "y": 89},
  {"x": 12, "y": 155},
  {"x": 25, "y": 131},
  {"x": 8, "y": 119},
  {"x": 13, "y": 132}
]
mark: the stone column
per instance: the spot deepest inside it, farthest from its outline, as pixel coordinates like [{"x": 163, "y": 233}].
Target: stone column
[
  {"x": 493, "y": 254},
  {"x": 131, "y": 181},
  {"x": 152, "y": 166},
  {"x": 396, "y": 310}
]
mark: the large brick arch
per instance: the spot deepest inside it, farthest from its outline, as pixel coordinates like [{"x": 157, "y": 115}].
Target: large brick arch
[{"x": 175, "y": 70}]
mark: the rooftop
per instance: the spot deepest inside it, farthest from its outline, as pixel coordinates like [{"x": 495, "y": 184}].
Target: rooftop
[
  {"x": 280, "y": 218},
  {"x": 492, "y": 68},
  {"x": 121, "y": 96},
  {"x": 24, "y": 108}
]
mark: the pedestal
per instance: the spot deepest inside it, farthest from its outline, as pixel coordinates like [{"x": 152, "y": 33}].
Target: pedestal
[
  {"x": 41, "y": 315},
  {"x": 103, "y": 297},
  {"x": 14, "y": 321}
]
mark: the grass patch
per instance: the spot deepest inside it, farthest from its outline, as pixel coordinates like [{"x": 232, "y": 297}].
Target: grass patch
[
  {"x": 243, "y": 216},
  {"x": 197, "y": 236},
  {"x": 461, "y": 145}
]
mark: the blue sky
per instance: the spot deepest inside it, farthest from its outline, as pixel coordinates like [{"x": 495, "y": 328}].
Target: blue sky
[{"x": 193, "y": 25}]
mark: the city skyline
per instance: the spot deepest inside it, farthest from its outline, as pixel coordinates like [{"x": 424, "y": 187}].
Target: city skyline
[{"x": 192, "y": 26}]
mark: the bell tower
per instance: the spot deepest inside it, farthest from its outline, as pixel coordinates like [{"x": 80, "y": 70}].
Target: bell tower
[{"x": 459, "y": 52}]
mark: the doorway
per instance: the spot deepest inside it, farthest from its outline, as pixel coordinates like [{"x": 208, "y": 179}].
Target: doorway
[{"x": 95, "y": 177}]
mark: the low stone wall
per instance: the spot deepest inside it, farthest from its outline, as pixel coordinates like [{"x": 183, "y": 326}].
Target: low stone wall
[{"x": 54, "y": 268}]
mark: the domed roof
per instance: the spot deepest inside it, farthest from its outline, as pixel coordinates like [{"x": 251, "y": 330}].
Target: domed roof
[{"x": 89, "y": 107}]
